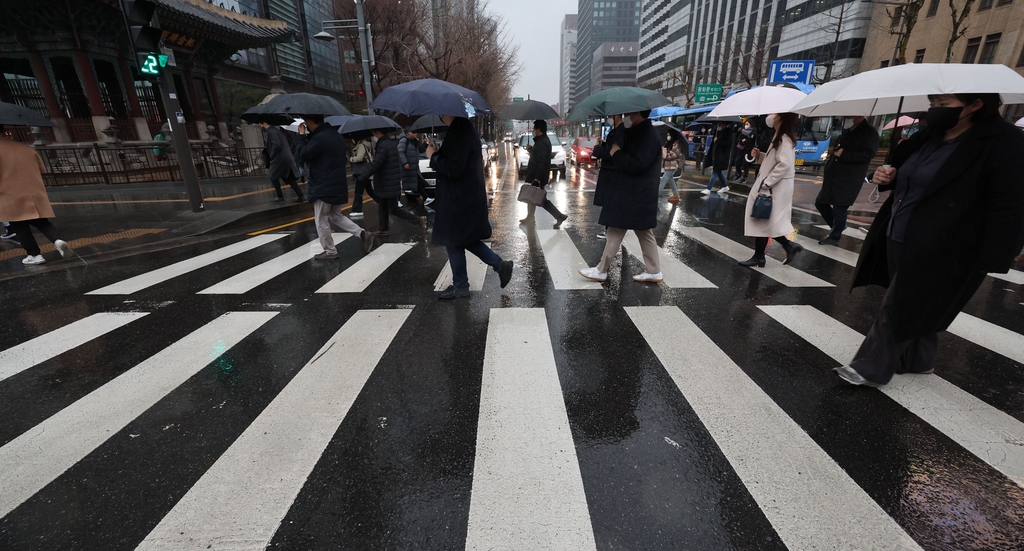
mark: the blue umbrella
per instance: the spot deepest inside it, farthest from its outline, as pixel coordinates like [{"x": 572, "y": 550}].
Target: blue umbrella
[
  {"x": 339, "y": 120},
  {"x": 430, "y": 96},
  {"x": 666, "y": 111}
]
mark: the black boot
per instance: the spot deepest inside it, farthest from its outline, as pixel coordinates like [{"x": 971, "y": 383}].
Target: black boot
[
  {"x": 791, "y": 249},
  {"x": 753, "y": 261}
]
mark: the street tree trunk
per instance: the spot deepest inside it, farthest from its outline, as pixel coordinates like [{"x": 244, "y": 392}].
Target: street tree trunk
[{"x": 958, "y": 29}]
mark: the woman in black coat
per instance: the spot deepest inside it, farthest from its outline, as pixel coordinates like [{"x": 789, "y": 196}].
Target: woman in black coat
[
  {"x": 956, "y": 213},
  {"x": 607, "y": 172},
  {"x": 844, "y": 175},
  {"x": 632, "y": 201},
  {"x": 460, "y": 206},
  {"x": 386, "y": 169}
]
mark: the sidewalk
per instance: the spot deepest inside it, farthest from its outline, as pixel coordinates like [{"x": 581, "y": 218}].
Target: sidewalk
[{"x": 101, "y": 219}]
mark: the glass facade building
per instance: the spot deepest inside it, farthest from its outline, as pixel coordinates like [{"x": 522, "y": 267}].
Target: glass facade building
[{"x": 601, "y": 21}]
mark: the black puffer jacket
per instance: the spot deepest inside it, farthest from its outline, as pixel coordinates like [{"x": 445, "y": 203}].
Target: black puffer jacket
[
  {"x": 325, "y": 151},
  {"x": 409, "y": 154},
  {"x": 386, "y": 170}
]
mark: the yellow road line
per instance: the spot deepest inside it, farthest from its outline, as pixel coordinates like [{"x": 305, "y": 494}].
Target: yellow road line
[
  {"x": 281, "y": 226},
  {"x": 205, "y": 199}
]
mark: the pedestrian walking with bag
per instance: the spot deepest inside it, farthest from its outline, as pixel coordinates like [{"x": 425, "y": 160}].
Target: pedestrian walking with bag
[
  {"x": 844, "y": 175},
  {"x": 359, "y": 159},
  {"x": 632, "y": 200},
  {"x": 671, "y": 156},
  {"x": 324, "y": 151},
  {"x": 721, "y": 146},
  {"x": 461, "y": 223},
  {"x": 769, "y": 209},
  {"x": 538, "y": 173},
  {"x": 386, "y": 170},
  {"x": 280, "y": 162},
  {"x": 606, "y": 173},
  {"x": 23, "y": 200},
  {"x": 955, "y": 214}
]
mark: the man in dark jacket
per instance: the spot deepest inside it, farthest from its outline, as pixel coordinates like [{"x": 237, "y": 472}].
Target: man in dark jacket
[
  {"x": 956, "y": 214},
  {"x": 460, "y": 222},
  {"x": 409, "y": 154},
  {"x": 721, "y": 149},
  {"x": 632, "y": 202},
  {"x": 386, "y": 168},
  {"x": 602, "y": 151},
  {"x": 844, "y": 175},
  {"x": 280, "y": 162},
  {"x": 324, "y": 150},
  {"x": 538, "y": 172}
]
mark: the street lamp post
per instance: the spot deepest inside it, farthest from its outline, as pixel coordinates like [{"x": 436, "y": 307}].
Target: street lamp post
[{"x": 365, "y": 39}]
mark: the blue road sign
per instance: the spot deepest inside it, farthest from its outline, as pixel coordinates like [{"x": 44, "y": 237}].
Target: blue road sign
[{"x": 791, "y": 70}]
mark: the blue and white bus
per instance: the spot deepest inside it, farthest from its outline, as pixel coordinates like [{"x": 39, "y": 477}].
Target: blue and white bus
[{"x": 813, "y": 137}]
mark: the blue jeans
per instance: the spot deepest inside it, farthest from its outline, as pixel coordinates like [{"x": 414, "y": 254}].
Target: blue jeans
[
  {"x": 457, "y": 258},
  {"x": 717, "y": 175}
]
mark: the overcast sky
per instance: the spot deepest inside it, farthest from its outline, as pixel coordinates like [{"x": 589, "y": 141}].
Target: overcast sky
[{"x": 535, "y": 26}]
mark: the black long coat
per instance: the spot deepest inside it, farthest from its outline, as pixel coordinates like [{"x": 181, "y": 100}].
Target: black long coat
[
  {"x": 386, "y": 169},
  {"x": 279, "y": 151},
  {"x": 969, "y": 222},
  {"x": 632, "y": 201},
  {"x": 844, "y": 175},
  {"x": 539, "y": 167},
  {"x": 326, "y": 153},
  {"x": 607, "y": 172},
  {"x": 461, "y": 207},
  {"x": 721, "y": 149}
]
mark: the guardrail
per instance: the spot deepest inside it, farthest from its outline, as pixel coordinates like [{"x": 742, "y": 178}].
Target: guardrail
[{"x": 147, "y": 162}]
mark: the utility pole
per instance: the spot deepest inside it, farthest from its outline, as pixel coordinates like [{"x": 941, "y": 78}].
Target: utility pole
[{"x": 365, "y": 41}]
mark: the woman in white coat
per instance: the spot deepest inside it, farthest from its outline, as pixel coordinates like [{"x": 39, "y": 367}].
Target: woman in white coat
[{"x": 776, "y": 175}]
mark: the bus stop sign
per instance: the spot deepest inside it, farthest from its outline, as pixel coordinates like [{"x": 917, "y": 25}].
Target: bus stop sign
[{"x": 791, "y": 70}]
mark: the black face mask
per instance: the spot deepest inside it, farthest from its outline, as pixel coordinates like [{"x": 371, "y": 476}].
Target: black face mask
[{"x": 941, "y": 119}]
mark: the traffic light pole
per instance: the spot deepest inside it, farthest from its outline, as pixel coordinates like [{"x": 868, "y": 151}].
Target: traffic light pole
[{"x": 179, "y": 138}]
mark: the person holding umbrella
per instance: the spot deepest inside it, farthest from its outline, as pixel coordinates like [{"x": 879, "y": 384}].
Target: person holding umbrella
[
  {"x": 538, "y": 172},
  {"x": 280, "y": 162},
  {"x": 844, "y": 175},
  {"x": 775, "y": 179},
  {"x": 386, "y": 168},
  {"x": 956, "y": 213},
  {"x": 606, "y": 174},
  {"x": 323, "y": 149},
  {"x": 720, "y": 149}
]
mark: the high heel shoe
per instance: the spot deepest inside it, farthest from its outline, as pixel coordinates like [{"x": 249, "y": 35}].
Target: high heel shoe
[
  {"x": 791, "y": 251},
  {"x": 753, "y": 261}
]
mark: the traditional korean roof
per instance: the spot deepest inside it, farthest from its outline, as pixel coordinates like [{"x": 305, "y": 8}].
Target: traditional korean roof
[{"x": 224, "y": 25}]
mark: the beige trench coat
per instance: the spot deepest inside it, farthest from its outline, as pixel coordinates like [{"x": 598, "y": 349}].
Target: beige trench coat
[
  {"x": 776, "y": 171},
  {"x": 22, "y": 193}
]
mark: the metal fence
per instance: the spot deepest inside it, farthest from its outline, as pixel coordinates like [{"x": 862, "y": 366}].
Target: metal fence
[{"x": 151, "y": 162}]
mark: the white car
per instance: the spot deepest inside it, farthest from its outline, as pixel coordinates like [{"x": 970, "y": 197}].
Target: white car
[{"x": 559, "y": 160}]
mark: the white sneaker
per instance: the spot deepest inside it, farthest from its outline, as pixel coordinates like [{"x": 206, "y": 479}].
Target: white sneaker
[
  {"x": 649, "y": 278},
  {"x": 593, "y": 274},
  {"x": 63, "y": 247},
  {"x": 705, "y": 192},
  {"x": 428, "y": 201},
  {"x": 723, "y": 190},
  {"x": 400, "y": 205},
  {"x": 603, "y": 235},
  {"x": 31, "y": 260},
  {"x": 355, "y": 215}
]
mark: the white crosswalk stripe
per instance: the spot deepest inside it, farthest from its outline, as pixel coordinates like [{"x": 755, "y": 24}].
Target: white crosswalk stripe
[
  {"x": 37, "y": 457},
  {"x": 983, "y": 430},
  {"x": 18, "y": 358},
  {"x": 527, "y": 487},
  {"x": 677, "y": 275},
  {"x": 838, "y": 254},
  {"x": 149, "y": 279},
  {"x": 258, "y": 275},
  {"x": 784, "y": 274},
  {"x": 989, "y": 335},
  {"x": 810, "y": 501},
  {"x": 476, "y": 270},
  {"x": 564, "y": 261},
  {"x": 848, "y": 232},
  {"x": 360, "y": 275},
  {"x": 251, "y": 486}
]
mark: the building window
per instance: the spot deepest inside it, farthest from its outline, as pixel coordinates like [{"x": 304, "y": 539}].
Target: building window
[
  {"x": 1004, "y": 2},
  {"x": 984, "y": 5},
  {"x": 885, "y": 63},
  {"x": 919, "y": 56},
  {"x": 988, "y": 53},
  {"x": 933, "y": 8},
  {"x": 896, "y": 15},
  {"x": 973, "y": 45}
]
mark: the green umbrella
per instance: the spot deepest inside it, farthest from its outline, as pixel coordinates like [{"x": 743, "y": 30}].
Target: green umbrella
[{"x": 616, "y": 101}]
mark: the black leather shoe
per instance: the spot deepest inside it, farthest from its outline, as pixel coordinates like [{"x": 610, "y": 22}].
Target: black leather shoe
[
  {"x": 451, "y": 292},
  {"x": 505, "y": 272},
  {"x": 828, "y": 241},
  {"x": 300, "y": 199},
  {"x": 753, "y": 261},
  {"x": 791, "y": 251}
]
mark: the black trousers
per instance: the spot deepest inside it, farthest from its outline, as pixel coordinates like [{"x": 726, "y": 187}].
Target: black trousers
[
  {"x": 881, "y": 355},
  {"x": 835, "y": 217},
  {"x": 761, "y": 243},
  {"x": 389, "y": 206},
  {"x": 23, "y": 231},
  {"x": 548, "y": 206},
  {"x": 291, "y": 181}
]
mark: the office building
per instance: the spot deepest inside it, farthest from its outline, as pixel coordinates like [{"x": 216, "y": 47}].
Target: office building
[
  {"x": 602, "y": 21},
  {"x": 613, "y": 64},
  {"x": 567, "y": 47}
]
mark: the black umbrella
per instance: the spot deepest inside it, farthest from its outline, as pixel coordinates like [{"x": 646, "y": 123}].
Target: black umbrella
[
  {"x": 12, "y": 114},
  {"x": 339, "y": 120},
  {"x": 357, "y": 126},
  {"x": 529, "y": 110},
  {"x": 296, "y": 105},
  {"x": 664, "y": 129},
  {"x": 427, "y": 122},
  {"x": 260, "y": 113},
  {"x": 430, "y": 96}
]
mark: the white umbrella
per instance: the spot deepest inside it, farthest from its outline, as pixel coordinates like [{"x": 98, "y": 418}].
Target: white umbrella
[
  {"x": 1020, "y": 123},
  {"x": 905, "y": 88},
  {"x": 759, "y": 101},
  {"x": 294, "y": 126}
]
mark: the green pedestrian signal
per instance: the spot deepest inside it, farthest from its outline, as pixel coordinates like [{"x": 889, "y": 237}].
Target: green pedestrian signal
[{"x": 153, "y": 64}]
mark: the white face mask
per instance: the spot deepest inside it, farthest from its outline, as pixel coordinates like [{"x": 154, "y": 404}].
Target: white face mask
[
  {"x": 610, "y": 122},
  {"x": 848, "y": 124},
  {"x": 770, "y": 120},
  {"x": 627, "y": 122}
]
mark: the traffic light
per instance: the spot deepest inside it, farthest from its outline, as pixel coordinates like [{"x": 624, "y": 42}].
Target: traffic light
[
  {"x": 152, "y": 64},
  {"x": 144, "y": 31}
]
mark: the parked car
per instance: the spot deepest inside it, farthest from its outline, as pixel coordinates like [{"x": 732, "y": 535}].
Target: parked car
[
  {"x": 559, "y": 160},
  {"x": 582, "y": 151}
]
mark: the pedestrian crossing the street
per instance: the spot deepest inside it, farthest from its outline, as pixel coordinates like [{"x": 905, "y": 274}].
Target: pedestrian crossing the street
[
  {"x": 676, "y": 274},
  {"x": 476, "y": 270}
]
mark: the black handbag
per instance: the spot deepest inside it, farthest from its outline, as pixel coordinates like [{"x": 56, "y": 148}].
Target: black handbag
[{"x": 762, "y": 208}]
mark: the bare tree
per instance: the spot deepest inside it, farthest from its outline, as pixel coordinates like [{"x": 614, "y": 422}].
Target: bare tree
[
  {"x": 833, "y": 21},
  {"x": 754, "y": 67},
  {"x": 906, "y": 15},
  {"x": 958, "y": 30}
]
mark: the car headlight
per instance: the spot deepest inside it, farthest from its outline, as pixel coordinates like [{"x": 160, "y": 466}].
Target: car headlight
[{"x": 824, "y": 155}]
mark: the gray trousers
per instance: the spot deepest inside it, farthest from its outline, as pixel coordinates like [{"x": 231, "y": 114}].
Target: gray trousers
[
  {"x": 324, "y": 215},
  {"x": 648, "y": 247}
]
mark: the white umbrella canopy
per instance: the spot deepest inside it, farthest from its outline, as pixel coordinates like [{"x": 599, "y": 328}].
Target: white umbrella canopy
[
  {"x": 1020, "y": 123},
  {"x": 759, "y": 101},
  {"x": 881, "y": 91}
]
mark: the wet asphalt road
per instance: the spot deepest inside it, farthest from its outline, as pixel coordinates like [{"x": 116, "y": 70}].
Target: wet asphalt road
[{"x": 622, "y": 406}]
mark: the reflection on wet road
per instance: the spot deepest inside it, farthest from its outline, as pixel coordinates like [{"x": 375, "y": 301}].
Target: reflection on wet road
[{"x": 233, "y": 393}]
